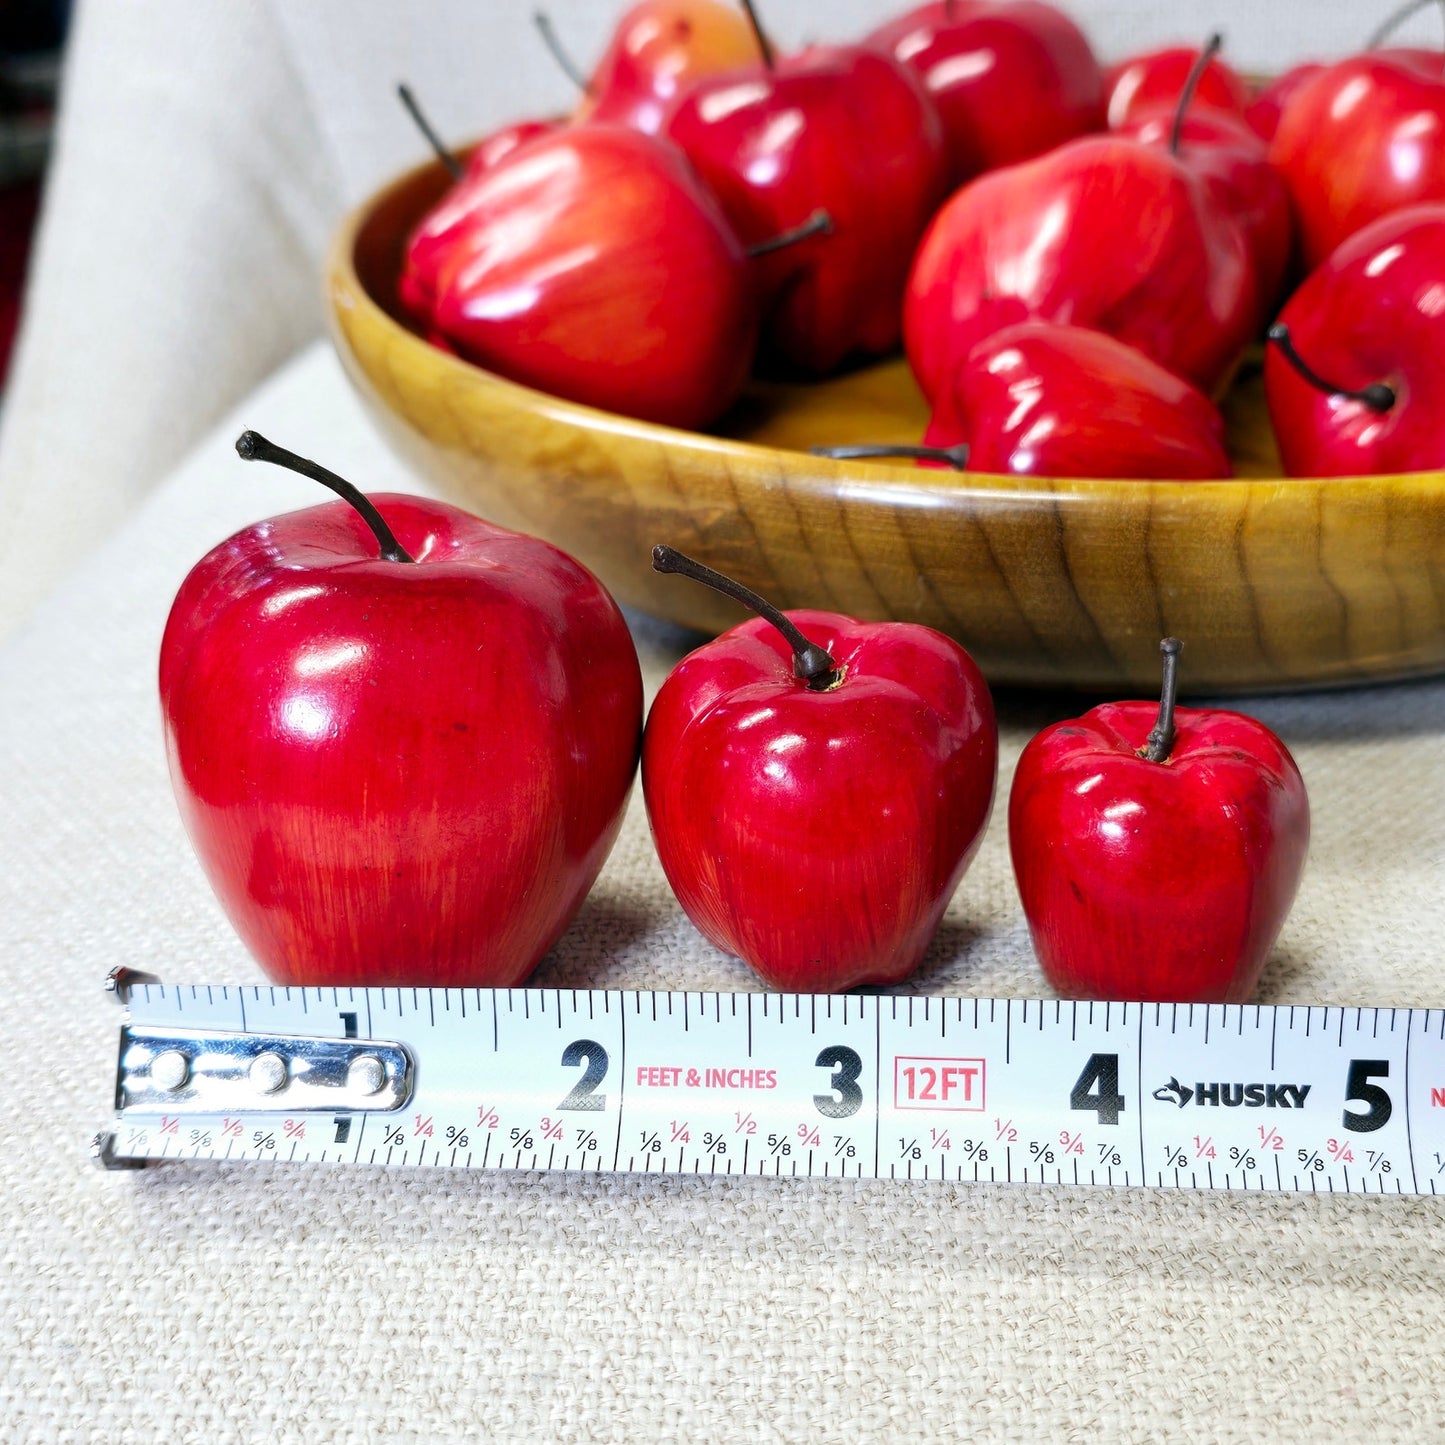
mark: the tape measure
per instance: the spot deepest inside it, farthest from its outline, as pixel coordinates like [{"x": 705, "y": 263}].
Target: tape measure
[{"x": 1173, "y": 1096}]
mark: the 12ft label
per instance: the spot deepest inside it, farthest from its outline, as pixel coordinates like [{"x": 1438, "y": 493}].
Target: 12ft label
[{"x": 1169, "y": 1096}]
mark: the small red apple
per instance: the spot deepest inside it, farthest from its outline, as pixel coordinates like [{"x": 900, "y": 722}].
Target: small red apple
[
  {"x": 1102, "y": 232},
  {"x": 1353, "y": 377},
  {"x": 1010, "y": 81},
  {"x": 1156, "y": 78},
  {"x": 816, "y": 787},
  {"x": 405, "y": 768},
  {"x": 1157, "y": 852}
]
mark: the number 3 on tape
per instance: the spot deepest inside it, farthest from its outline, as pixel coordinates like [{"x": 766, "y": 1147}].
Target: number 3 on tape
[{"x": 1345, "y": 1100}]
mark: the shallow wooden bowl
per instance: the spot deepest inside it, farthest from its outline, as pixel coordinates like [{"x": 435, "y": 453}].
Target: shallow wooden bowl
[{"x": 1271, "y": 583}]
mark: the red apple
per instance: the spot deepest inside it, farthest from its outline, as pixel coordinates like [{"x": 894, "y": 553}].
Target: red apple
[
  {"x": 816, "y": 798},
  {"x": 1264, "y": 110},
  {"x": 1010, "y": 81},
  {"x": 1156, "y": 78},
  {"x": 1233, "y": 163},
  {"x": 842, "y": 130},
  {"x": 1040, "y": 399},
  {"x": 593, "y": 265},
  {"x": 1102, "y": 232},
  {"x": 1358, "y": 140},
  {"x": 397, "y": 769},
  {"x": 659, "y": 48},
  {"x": 1354, "y": 380},
  {"x": 1157, "y": 852}
]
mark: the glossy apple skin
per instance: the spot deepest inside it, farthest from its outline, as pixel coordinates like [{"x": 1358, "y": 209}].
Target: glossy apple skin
[
  {"x": 1358, "y": 140},
  {"x": 1233, "y": 162},
  {"x": 1039, "y": 399},
  {"x": 819, "y": 835},
  {"x": 1157, "y": 881},
  {"x": 594, "y": 266},
  {"x": 398, "y": 773},
  {"x": 1101, "y": 232},
  {"x": 1374, "y": 312},
  {"x": 440, "y": 229},
  {"x": 659, "y": 48},
  {"x": 1157, "y": 79},
  {"x": 1265, "y": 109},
  {"x": 1009, "y": 81},
  {"x": 838, "y": 128}
]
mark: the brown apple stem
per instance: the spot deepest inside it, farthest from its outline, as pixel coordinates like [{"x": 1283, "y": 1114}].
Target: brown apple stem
[
  {"x": 954, "y": 456},
  {"x": 1160, "y": 742},
  {"x": 453, "y": 165},
  {"x": 251, "y": 446},
  {"x": 1191, "y": 84},
  {"x": 820, "y": 223},
  {"x": 765, "y": 46},
  {"x": 810, "y": 663},
  {"x": 565, "y": 63},
  {"x": 1395, "y": 21},
  {"x": 1377, "y": 396}
]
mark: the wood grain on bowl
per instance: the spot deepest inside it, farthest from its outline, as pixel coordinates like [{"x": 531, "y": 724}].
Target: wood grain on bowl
[{"x": 1271, "y": 582}]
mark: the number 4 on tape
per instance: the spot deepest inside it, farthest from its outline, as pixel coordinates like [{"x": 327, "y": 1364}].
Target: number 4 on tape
[{"x": 1343, "y": 1100}]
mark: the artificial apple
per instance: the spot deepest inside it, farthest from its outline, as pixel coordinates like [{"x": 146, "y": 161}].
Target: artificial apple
[
  {"x": 1010, "y": 81},
  {"x": 593, "y": 265},
  {"x": 1353, "y": 377},
  {"x": 403, "y": 768},
  {"x": 816, "y": 787},
  {"x": 1358, "y": 140},
  {"x": 841, "y": 129},
  {"x": 657, "y": 50},
  {"x": 1157, "y": 851},
  {"x": 1156, "y": 78},
  {"x": 1102, "y": 232}
]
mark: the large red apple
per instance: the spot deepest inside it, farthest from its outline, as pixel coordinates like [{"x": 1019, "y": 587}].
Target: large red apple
[
  {"x": 1157, "y": 852},
  {"x": 842, "y": 130},
  {"x": 404, "y": 768},
  {"x": 815, "y": 798},
  {"x": 1010, "y": 81},
  {"x": 1358, "y": 140},
  {"x": 1102, "y": 232},
  {"x": 592, "y": 264},
  {"x": 1354, "y": 377}
]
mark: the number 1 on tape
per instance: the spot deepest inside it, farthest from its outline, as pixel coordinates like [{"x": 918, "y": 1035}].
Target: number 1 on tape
[{"x": 922, "y": 1088}]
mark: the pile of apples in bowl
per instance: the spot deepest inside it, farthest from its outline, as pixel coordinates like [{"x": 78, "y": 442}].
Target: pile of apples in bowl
[{"x": 1168, "y": 340}]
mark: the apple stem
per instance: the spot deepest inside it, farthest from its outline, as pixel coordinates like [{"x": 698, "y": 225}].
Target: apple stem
[
  {"x": 251, "y": 446},
  {"x": 955, "y": 456},
  {"x": 453, "y": 165},
  {"x": 811, "y": 664},
  {"x": 1396, "y": 20},
  {"x": 1191, "y": 84},
  {"x": 820, "y": 223},
  {"x": 1160, "y": 742},
  {"x": 1377, "y": 396},
  {"x": 565, "y": 63},
  {"x": 765, "y": 46}
]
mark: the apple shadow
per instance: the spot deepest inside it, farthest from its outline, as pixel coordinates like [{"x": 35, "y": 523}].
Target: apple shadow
[
  {"x": 1285, "y": 977},
  {"x": 605, "y": 928}
]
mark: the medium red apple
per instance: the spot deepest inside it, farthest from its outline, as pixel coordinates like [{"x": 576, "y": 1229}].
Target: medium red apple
[
  {"x": 1156, "y": 78},
  {"x": 592, "y": 264},
  {"x": 1010, "y": 81},
  {"x": 1358, "y": 140},
  {"x": 1354, "y": 378},
  {"x": 658, "y": 49},
  {"x": 840, "y": 129},
  {"x": 816, "y": 797},
  {"x": 1233, "y": 163},
  {"x": 1102, "y": 232},
  {"x": 403, "y": 768},
  {"x": 1040, "y": 399},
  {"x": 1157, "y": 852}
]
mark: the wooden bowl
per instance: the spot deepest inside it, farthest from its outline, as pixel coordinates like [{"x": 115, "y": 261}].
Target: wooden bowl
[{"x": 1272, "y": 583}]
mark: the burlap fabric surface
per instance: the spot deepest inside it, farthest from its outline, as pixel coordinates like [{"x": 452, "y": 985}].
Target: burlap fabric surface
[{"x": 215, "y": 1303}]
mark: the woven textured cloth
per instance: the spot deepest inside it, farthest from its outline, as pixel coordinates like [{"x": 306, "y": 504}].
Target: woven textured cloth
[{"x": 245, "y": 1302}]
